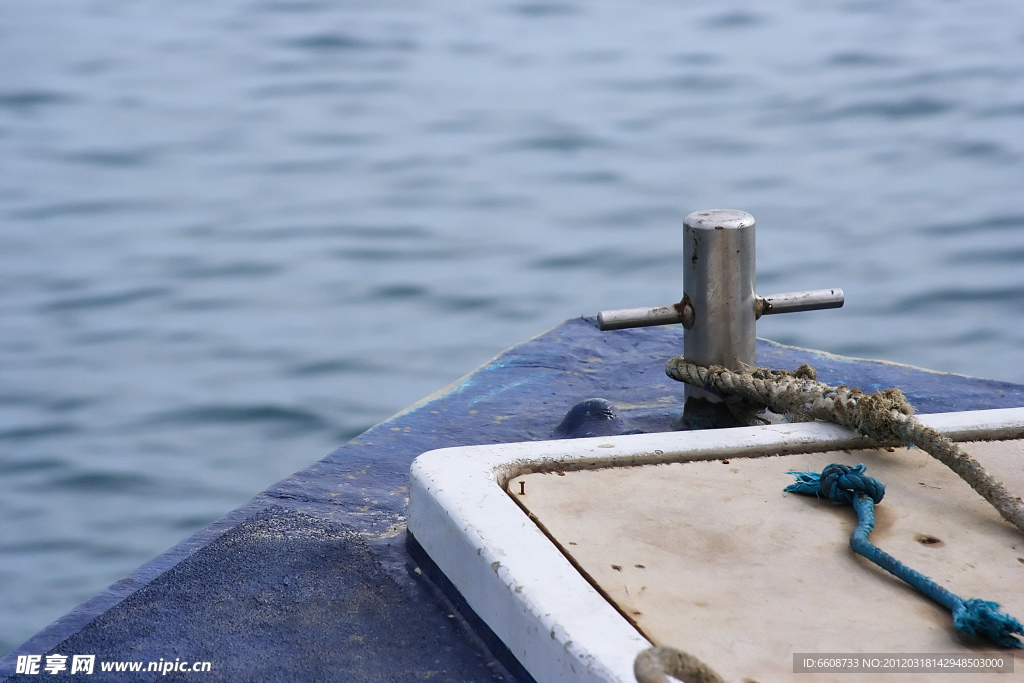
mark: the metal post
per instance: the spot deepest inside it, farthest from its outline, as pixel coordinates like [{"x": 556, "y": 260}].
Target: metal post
[
  {"x": 718, "y": 282},
  {"x": 719, "y": 307}
]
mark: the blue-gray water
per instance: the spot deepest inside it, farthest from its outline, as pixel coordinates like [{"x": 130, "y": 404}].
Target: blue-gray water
[{"x": 235, "y": 234}]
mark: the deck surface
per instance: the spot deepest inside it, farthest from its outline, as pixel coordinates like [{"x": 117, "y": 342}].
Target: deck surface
[
  {"x": 715, "y": 559},
  {"x": 311, "y": 579}
]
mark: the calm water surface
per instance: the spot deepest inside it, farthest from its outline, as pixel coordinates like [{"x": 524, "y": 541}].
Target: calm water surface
[{"x": 235, "y": 234}]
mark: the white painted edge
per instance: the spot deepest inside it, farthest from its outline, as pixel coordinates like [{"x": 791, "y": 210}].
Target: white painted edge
[{"x": 518, "y": 582}]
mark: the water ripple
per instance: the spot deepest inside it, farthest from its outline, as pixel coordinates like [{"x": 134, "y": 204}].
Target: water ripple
[
  {"x": 688, "y": 83},
  {"x": 80, "y": 209},
  {"x": 103, "y": 482},
  {"x": 733, "y": 20},
  {"x": 590, "y": 177},
  {"x": 328, "y": 41},
  {"x": 979, "y": 149},
  {"x": 398, "y": 254},
  {"x": 193, "y": 269},
  {"x": 540, "y": 10},
  {"x": 1000, "y": 255},
  {"x": 999, "y": 111},
  {"x": 106, "y": 300},
  {"x": 24, "y": 100},
  {"x": 861, "y": 59},
  {"x": 946, "y": 298},
  {"x": 362, "y": 86},
  {"x": 943, "y": 77},
  {"x": 462, "y": 303},
  {"x": 281, "y": 419},
  {"x": 397, "y": 291},
  {"x": 338, "y": 366},
  {"x": 564, "y": 143},
  {"x": 290, "y": 7},
  {"x": 45, "y": 546},
  {"x": 36, "y": 464},
  {"x": 368, "y": 232},
  {"x": 893, "y": 110},
  {"x": 340, "y": 42},
  {"x": 38, "y": 431},
  {"x": 604, "y": 260},
  {"x": 992, "y": 224},
  {"x": 113, "y": 158}
]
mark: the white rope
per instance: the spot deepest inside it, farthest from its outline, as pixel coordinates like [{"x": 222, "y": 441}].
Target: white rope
[
  {"x": 652, "y": 665},
  {"x": 884, "y": 416}
]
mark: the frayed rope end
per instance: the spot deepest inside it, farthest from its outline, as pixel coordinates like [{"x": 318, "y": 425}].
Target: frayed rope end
[
  {"x": 807, "y": 483},
  {"x": 984, "y": 618}
]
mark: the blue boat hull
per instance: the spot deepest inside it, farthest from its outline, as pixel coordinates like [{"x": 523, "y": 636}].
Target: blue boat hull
[{"x": 315, "y": 579}]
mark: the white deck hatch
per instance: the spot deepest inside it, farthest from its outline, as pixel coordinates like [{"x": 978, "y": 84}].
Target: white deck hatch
[{"x": 687, "y": 539}]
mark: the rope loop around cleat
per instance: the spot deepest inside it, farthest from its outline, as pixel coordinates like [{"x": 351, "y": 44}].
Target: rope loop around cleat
[{"x": 884, "y": 416}]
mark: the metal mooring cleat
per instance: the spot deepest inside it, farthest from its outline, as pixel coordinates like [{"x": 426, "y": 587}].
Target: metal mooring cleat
[{"x": 719, "y": 307}]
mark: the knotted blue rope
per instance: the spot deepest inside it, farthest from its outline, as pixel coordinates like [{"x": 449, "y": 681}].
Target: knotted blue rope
[{"x": 850, "y": 485}]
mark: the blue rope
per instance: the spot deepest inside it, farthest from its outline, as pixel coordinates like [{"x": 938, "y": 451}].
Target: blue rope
[{"x": 850, "y": 485}]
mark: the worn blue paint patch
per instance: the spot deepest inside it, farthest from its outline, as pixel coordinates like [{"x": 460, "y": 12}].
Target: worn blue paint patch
[
  {"x": 311, "y": 579},
  {"x": 261, "y": 590}
]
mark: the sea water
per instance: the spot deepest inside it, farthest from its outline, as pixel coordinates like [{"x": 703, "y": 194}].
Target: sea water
[{"x": 235, "y": 234}]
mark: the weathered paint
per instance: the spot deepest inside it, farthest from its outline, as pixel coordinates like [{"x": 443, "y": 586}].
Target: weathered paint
[{"x": 335, "y": 531}]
